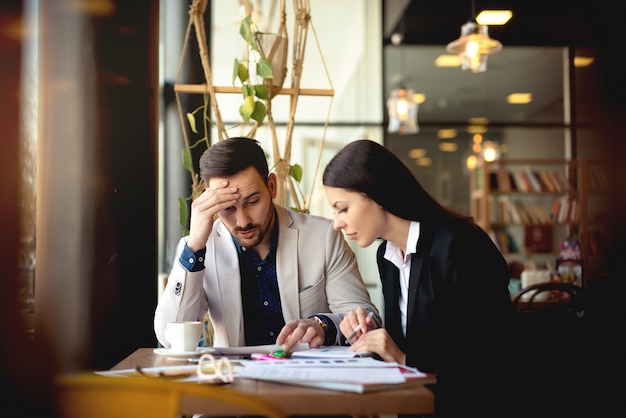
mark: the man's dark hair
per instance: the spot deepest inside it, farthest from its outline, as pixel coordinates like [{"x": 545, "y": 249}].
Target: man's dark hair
[{"x": 231, "y": 156}]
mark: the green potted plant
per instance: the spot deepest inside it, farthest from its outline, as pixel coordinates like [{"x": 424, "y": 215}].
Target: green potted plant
[
  {"x": 258, "y": 77},
  {"x": 254, "y": 75}
]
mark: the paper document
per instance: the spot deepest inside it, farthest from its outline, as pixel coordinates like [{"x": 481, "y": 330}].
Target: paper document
[
  {"x": 335, "y": 351},
  {"x": 283, "y": 371},
  {"x": 356, "y": 375},
  {"x": 368, "y": 363},
  {"x": 251, "y": 349}
]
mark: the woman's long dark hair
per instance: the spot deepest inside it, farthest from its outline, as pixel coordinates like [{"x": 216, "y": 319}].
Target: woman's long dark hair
[{"x": 366, "y": 166}]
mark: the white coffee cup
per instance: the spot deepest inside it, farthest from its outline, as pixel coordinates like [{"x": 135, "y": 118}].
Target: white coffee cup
[{"x": 183, "y": 336}]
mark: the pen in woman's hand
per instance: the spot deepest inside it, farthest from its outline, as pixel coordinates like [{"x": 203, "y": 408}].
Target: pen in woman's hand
[{"x": 370, "y": 315}]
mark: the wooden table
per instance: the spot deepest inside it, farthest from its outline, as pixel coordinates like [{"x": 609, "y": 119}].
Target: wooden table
[{"x": 296, "y": 400}]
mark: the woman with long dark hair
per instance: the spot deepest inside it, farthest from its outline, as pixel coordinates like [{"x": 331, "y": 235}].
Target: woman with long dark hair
[{"x": 445, "y": 284}]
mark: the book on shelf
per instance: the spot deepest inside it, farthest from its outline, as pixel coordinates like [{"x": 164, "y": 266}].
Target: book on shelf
[
  {"x": 493, "y": 181},
  {"x": 503, "y": 212},
  {"x": 523, "y": 183},
  {"x": 532, "y": 178},
  {"x": 503, "y": 180},
  {"x": 513, "y": 248},
  {"x": 563, "y": 210},
  {"x": 561, "y": 179},
  {"x": 554, "y": 210},
  {"x": 504, "y": 241},
  {"x": 556, "y": 183},
  {"x": 522, "y": 213},
  {"x": 513, "y": 182},
  {"x": 514, "y": 212},
  {"x": 539, "y": 215},
  {"x": 538, "y": 238},
  {"x": 573, "y": 214},
  {"x": 544, "y": 181},
  {"x": 528, "y": 179}
]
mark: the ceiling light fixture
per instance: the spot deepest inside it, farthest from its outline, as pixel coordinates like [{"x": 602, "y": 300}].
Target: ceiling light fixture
[
  {"x": 519, "y": 98},
  {"x": 478, "y": 120},
  {"x": 583, "y": 61},
  {"x": 493, "y": 17},
  {"x": 448, "y": 146},
  {"x": 476, "y": 129},
  {"x": 417, "y": 153},
  {"x": 446, "y": 133},
  {"x": 474, "y": 45},
  {"x": 424, "y": 162}
]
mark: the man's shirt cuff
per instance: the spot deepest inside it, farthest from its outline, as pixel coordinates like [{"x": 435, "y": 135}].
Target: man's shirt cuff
[{"x": 192, "y": 261}]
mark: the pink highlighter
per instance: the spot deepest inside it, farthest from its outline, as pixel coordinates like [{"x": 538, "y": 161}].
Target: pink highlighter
[{"x": 262, "y": 356}]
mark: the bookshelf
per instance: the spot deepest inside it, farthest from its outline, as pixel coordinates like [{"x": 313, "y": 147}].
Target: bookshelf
[{"x": 530, "y": 206}]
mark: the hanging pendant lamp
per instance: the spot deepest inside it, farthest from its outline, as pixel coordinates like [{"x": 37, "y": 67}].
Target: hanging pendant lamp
[
  {"x": 401, "y": 104},
  {"x": 474, "y": 47},
  {"x": 402, "y": 110}
]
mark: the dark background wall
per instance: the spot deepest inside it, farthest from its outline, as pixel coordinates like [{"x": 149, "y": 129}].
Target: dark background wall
[{"x": 124, "y": 294}]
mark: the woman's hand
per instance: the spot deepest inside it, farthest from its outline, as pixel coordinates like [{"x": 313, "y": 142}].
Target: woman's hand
[
  {"x": 369, "y": 337},
  {"x": 356, "y": 318},
  {"x": 380, "y": 342}
]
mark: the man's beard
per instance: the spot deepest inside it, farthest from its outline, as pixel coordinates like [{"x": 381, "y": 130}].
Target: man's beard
[
  {"x": 254, "y": 240},
  {"x": 261, "y": 232}
]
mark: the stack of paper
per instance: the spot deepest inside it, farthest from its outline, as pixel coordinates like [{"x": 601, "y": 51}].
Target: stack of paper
[
  {"x": 358, "y": 375},
  {"x": 328, "y": 352}
]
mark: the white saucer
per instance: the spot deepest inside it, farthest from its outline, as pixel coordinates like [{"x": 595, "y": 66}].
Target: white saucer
[{"x": 183, "y": 354}]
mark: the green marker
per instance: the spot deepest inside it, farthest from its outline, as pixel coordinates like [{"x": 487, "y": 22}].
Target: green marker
[{"x": 280, "y": 353}]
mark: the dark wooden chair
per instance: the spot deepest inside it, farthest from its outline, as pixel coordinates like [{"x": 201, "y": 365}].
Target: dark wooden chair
[{"x": 551, "y": 301}]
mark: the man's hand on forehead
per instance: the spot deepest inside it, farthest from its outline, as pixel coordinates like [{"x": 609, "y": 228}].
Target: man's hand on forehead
[{"x": 217, "y": 183}]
